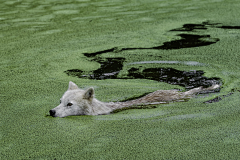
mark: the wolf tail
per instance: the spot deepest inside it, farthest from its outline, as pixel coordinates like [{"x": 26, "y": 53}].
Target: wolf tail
[
  {"x": 199, "y": 89},
  {"x": 215, "y": 86}
]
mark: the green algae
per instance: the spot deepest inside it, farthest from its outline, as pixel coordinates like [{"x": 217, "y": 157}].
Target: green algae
[{"x": 41, "y": 40}]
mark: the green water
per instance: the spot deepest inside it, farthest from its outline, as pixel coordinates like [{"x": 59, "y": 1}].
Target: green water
[{"x": 40, "y": 40}]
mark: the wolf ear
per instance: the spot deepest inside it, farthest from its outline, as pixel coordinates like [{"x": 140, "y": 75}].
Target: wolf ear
[
  {"x": 89, "y": 93},
  {"x": 72, "y": 86}
]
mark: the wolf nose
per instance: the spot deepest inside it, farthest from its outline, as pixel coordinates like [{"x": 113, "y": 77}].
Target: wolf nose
[{"x": 52, "y": 112}]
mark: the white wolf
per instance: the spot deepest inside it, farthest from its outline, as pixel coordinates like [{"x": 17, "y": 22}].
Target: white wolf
[{"x": 76, "y": 101}]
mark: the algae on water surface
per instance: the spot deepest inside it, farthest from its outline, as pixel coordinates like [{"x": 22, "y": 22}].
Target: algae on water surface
[{"x": 42, "y": 39}]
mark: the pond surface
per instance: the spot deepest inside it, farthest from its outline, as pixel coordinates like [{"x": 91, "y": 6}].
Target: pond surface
[{"x": 124, "y": 49}]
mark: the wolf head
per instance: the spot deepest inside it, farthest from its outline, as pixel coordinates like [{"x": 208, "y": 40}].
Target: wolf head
[{"x": 74, "y": 101}]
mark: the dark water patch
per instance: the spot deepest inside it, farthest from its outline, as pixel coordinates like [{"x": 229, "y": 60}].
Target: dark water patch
[
  {"x": 109, "y": 69},
  {"x": 219, "y": 98},
  {"x": 229, "y": 27},
  {"x": 190, "y": 27},
  {"x": 203, "y": 26},
  {"x": 189, "y": 80},
  {"x": 186, "y": 41}
]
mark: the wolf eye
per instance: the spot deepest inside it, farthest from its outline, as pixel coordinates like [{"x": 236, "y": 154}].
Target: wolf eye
[{"x": 69, "y": 104}]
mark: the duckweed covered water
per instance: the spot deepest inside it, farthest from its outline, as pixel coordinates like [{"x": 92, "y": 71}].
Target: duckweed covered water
[{"x": 42, "y": 40}]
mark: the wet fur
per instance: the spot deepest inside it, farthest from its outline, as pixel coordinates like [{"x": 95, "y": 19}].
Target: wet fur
[{"x": 76, "y": 101}]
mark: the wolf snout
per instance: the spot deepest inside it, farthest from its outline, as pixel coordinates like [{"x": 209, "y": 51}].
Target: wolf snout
[{"x": 52, "y": 112}]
